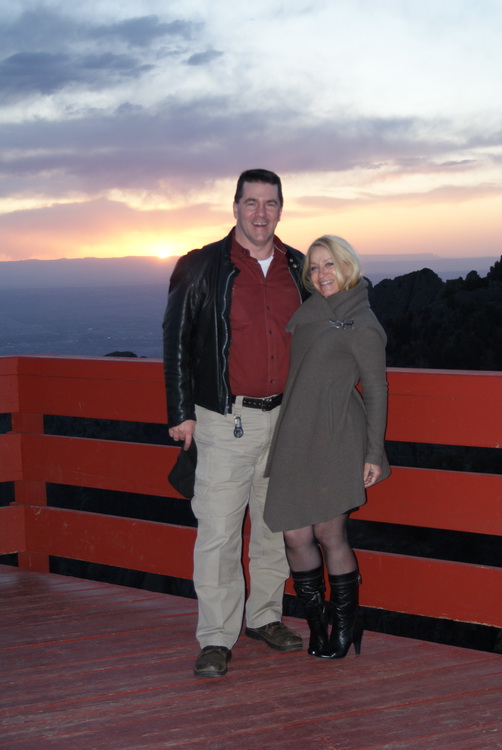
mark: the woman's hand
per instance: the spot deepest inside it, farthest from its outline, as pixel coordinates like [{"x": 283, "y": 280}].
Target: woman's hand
[{"x": 371, "y": 473}]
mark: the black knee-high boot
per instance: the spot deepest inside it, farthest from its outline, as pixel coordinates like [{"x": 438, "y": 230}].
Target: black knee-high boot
[
  {"x": 310, "y": 587},
  {"x": 344, "y": 606}
]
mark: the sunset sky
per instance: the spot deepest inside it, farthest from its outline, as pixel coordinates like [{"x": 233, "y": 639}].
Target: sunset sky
[{"x": 125, "y": 123}]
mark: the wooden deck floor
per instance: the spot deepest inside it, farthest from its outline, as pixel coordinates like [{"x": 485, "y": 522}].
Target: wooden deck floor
[{"x": 95, "y": 666}]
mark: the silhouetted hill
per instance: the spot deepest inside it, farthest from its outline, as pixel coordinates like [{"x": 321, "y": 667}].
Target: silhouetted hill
[{"x": 430, "y": 323}]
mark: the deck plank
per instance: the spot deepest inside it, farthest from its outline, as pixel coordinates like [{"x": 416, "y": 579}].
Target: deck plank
[{"x": 86, "y": 664}]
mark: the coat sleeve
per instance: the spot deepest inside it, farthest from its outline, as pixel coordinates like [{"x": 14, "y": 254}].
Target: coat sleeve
[
  {"x": 369, "y": 352},
  {"x": 178, "y": 328}
]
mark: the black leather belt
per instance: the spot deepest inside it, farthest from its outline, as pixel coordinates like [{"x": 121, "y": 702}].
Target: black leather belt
[{"x": 265, "y": 404}]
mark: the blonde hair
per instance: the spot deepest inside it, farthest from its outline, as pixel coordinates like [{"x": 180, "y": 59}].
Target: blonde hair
[{"x": 345, "y": 258}]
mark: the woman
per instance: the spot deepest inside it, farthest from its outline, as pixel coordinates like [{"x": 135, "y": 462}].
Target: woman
[{"x": 328, "y": 447}]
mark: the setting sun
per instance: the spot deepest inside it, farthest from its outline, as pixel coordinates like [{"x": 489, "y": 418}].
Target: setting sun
[{"x": 163, "y": 251}]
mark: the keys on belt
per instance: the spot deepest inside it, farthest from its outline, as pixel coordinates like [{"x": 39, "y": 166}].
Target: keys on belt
[{"x": 265, "y": 404}]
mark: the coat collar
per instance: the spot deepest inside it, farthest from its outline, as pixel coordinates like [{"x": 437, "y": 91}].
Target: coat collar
[{"x": 341, "y": 306}]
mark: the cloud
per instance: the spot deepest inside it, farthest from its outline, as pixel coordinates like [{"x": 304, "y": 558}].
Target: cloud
[
  {"x": 181, "y": 142},
  {"x": 95, "y": 217},
  {"x": 202, "y": 58},
  {"x": 165, "y": 108},
  {"x": 97, "y": 228},
  {"x": 142, "y": 31},
  {"x": 443, "y": 195},
  {"x": 51, "y": 52},
  {"x": 27, "y": 72},
  {"x": 38, "y": 30},
  {"x": 42, "y": 28},
  {"x": 45, "y": 73},
  {"x": 203, "y": 139}
]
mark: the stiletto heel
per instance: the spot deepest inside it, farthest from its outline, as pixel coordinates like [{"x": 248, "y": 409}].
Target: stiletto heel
[{"x": 357, "y": 635}]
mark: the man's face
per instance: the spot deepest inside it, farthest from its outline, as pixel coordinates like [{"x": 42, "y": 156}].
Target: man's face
[{"x": 257, "y": 214}]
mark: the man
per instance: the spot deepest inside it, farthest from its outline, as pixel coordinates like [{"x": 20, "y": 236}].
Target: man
[{"x": 226, "y": 356}]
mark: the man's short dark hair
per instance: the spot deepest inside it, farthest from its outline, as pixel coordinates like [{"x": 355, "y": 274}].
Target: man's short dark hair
[{"x": 258, "y": 175}]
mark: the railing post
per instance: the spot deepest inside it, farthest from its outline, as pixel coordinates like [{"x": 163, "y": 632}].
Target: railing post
[{"x": 29, "y": 493}]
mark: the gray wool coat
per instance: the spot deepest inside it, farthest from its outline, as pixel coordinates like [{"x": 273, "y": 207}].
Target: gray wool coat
[{"x": 326, "y": 431}]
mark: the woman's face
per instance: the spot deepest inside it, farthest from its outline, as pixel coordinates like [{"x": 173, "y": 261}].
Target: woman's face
[{"x": 322, "y": 271}]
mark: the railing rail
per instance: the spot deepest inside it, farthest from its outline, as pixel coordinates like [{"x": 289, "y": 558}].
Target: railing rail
[{"x": 425, "y": 406}]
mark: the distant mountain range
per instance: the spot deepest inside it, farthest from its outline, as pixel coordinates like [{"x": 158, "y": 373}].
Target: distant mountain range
[
  {"x": 85, "y": 272},
  {"x": 137, "y": 270}
]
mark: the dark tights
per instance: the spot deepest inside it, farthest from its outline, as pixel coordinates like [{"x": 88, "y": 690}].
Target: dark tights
[{"x": 303, "y": 553}]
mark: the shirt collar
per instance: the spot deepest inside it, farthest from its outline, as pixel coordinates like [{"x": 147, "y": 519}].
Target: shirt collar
[{"x": 238, "y": 249}]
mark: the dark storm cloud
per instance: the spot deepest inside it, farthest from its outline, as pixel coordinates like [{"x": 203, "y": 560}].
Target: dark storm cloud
[
  {"x": 202, "y": 58},
  {"x": 45, "y": 73}
]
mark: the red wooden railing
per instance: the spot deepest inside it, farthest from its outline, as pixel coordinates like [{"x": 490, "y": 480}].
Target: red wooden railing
[{"x": 426, "y": 406}]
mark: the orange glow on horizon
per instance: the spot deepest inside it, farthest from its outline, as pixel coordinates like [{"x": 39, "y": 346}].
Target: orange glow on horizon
[
  {"x": 447, "y": 229},
  {"x": 466, "y": 229}
]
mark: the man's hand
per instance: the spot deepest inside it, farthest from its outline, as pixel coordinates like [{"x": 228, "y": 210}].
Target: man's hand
[
  {"x": 184, "y": 431},
  {"x": 371, "y": 473}
]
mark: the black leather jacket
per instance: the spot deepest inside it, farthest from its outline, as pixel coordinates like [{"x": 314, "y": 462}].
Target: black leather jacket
[{"x": 197, "y": 329}]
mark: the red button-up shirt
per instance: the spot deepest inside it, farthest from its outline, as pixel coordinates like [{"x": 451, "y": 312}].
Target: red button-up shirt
[{"x": 261, "y": 307}]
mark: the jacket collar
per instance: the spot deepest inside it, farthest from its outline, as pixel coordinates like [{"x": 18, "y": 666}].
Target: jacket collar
[{"x": 342, "y": 305}]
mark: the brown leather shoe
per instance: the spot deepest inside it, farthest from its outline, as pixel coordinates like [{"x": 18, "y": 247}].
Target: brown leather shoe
[
  {"x": 212, "y": 661},
  {"x": 276, "y": 635}
]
